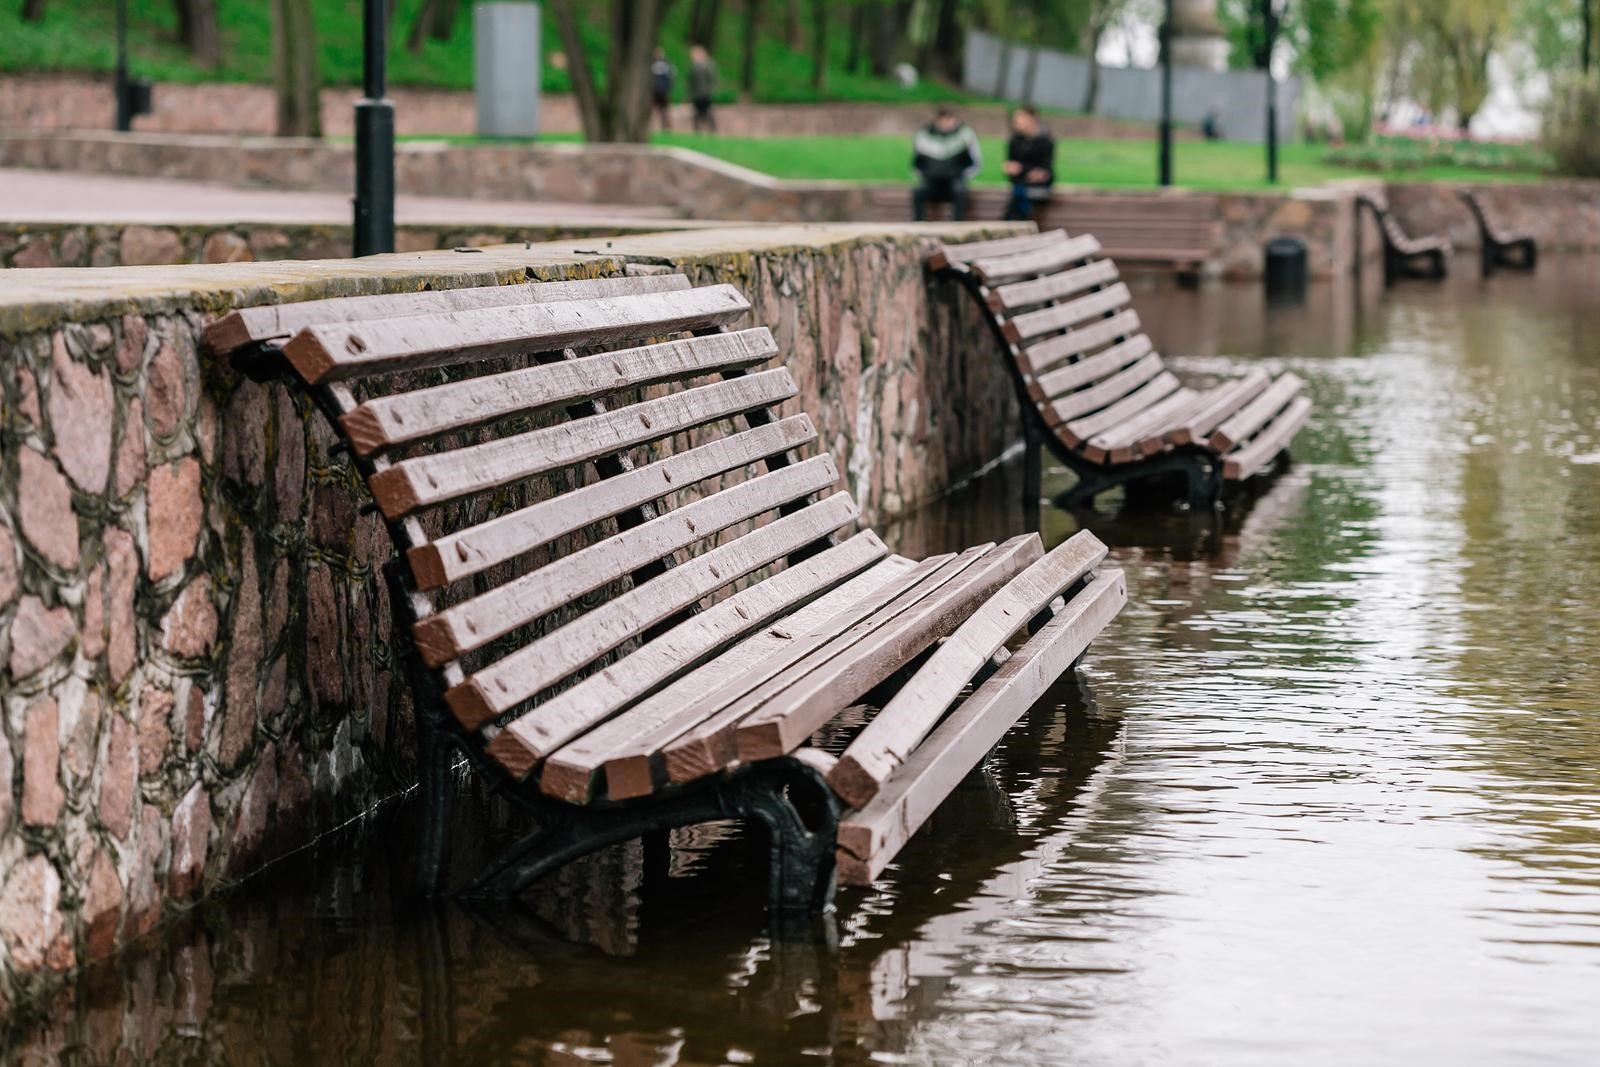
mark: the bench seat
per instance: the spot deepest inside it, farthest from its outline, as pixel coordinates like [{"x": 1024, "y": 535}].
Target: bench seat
[
  {"x": 1499, "y": 245},
  {"x": 634, "y": 601},
  {"x": 1094, "y": 388}
]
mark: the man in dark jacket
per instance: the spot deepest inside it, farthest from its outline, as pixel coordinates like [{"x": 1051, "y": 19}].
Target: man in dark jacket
[
  {"x": 1030, "y": 164},
  {"x": 945, "y": 156}
]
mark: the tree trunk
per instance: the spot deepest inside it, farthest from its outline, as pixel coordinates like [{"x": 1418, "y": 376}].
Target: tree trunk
[
  {"x": 791, "y": 20},
  {"x": 32, "y": 10},
  {"x": 1002, "y": 77},
  {"x": 819, "y": 44},
  {"x": 1030, "y": 75},
  {"x": 583, "y": 87},
  {"x": 883, "y": 40},
  {"x": 622, "y": 112},
  {"x": 752, "y": 24},
  {"x": 1091, "y": 91},
  {"x": 703, "y": 22},
  {"x": 198, "y": 32},
  {"x": 1587, "y": 7},
  {"x": 443, "y": 26},
  {"x": 946, "y": 56},
  {"x": 294, "y": 53},
  {"x": 858, "y": 33},
  {"x": 420, "y": 24}
]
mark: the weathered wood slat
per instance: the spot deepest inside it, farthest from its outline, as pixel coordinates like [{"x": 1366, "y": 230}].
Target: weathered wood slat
[
  {"x": 423, "y": 413},
  {"x": 1051, "y": 286},
  {"x": 997, "y": 270},
  {"x": 1221, "y": 403},
  {"x": 1080, "y": 430},
  {"x": 1064, "y": 316},
  {"x": 625, "y": 748},
  {"x": 952, "y": 255},
  {"x": 1268, "y": 443},
  {"x": 503, "y": 685},
  {"x": 467, "y": 552},
  {"x": 707, "y": 744},
  {"x": 792, "y": 708},
  {"x": 886, "y": 741},
  {"x": 1102, "y": 364},
  {"x": 338, "y": 351},
  {"x": 1044, "y": 355},
  {"x": 1117, "y": 445},
  {"x": 870, "y": 838},
  {"x": 428, "y": 480},
  {"x": 1073, "y": 405},
  {"x": 1248, "y": 420},
  {"x": 279, "y": 322},
  {"x": 474, "y": 623}
]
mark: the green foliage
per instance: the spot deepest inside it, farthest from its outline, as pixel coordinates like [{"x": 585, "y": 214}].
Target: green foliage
[
  {"x": 1399, "y": 155},
  {"x": 1325, "y": 37},
  {"x": 1571, "y": 117}
]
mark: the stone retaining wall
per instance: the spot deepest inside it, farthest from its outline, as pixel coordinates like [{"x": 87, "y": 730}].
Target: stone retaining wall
[{"x": 195, "y": 647}]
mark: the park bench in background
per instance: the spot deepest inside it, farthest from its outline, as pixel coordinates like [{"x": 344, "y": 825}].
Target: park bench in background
[
  {"x": 1501, "y": 245},
  {"x": 621, "y": 632},
  {"x": 1404, "y": 254},
  {"x": 1092, "y": 386}
]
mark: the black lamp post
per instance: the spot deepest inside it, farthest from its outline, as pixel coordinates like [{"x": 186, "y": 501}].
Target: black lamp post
[
  {"x": 1269, "y": 20},
  {"x": 1166, "y": 96},
  {"x": 374, "y": 201},
  {"x": 124, "y": 112}
]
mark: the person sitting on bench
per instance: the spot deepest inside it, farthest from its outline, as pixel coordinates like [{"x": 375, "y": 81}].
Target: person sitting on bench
[
  {"x": 945, "y": 156},
  {"x": 1030, "y": 164}
]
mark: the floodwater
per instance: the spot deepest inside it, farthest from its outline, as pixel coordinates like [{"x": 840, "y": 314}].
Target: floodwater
[{"x": 1328, "y": 792}]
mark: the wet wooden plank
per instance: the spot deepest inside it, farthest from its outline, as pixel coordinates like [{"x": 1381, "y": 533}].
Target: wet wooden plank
[
  {"x": 428, "y": 480},
  {"x": 1065, "y": 379},
  {"x": 870, "y": 838},
  {"x": 1081, "y": 430},
  {"x": 1221, "y": 403},
  {"x": 339, "y": 351},
  {"x": 954, "y": 255},
  {"x": 692, "y": 657},
  {"x": 1265, "y": 446},
  {"x": 997, "y": 270},
  {"x": 1244, "y": 423},
  {"x": 474, "y": 623},
  {"x": 278, "y": 322},
  {"x": 1032, "y": 324},
  {"x": 889, "y": 739},
  {"x": 1051, "y": 287},
  {"x": 1044, "y": 355},
  {"x": 1121, "y": 442},
  {"x": 404, "y": 417},
  {"x": 1064, "y": 409},
  {"x": 794, "y": 705},
  {"x": 508, "y": 682},
  {"x": 467, "y": 552}
]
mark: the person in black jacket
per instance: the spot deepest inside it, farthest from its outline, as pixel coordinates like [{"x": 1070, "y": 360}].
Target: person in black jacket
[
  {"x": 944, "y": 156},
  {"x": 1030, "y": 164}
]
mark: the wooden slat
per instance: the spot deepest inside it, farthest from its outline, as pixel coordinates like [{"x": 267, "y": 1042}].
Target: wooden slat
[
  {"x": 474, "y": 623},
  {"x": 1072, "y": 376},
  {"x": 1051, "y": 287},
  {"x": 1045, "y": 354},
  {"x": 1254, "y": 415},
  {"x": 1118, "y": 444},
  {"x": 953, "y": 255},
  {"x": 1080, "y": 430},
  {"x": 530, "y": 670},
  {"x": 785, "y": 606},
  {"x": 338, "y": 351},
  {"x": 1222, "y": 402},
  {"x": 1063, "y": 316},
  {"x": 793, "y": 600},
  {"x": 423, "y": 413},
  {"x": 428, "y": 480},
  {"x": 708, "y": 745},
  {"x": 997, "y": 270},
  {"x": 797, "y": 703},
  {"x": 279, "y": 322},
  {"x": 870, "y": 838},
  {"x": 1268, "y": 443},
  {"x": 467, "y": 552},
  {"x": 1064, "y": 409},
  {"x": 915, "y": 710}
]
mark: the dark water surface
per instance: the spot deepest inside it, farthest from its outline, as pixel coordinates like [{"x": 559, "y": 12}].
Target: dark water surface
[{"x": 1327, "y": 792}]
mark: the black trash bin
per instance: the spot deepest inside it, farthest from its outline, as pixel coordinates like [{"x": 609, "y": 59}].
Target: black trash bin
[{"x": 1285, "y": 269}]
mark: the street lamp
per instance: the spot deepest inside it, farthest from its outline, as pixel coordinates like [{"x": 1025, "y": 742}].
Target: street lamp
[
  {"x": 133, "y": 94},
  {"x": 374, "y": 200},
  {"x": 1269, "y": 21},
  {"x": 1166, "y": 96}
]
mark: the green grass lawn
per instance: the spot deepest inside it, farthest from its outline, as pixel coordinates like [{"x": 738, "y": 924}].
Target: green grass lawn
[{"x": 1196, "y": 164}]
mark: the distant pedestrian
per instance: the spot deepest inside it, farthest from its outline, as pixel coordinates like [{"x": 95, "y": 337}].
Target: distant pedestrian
[
  {"x": 1211, "y": 125},
  {"x": 945, "y": 155},
  {"x": 1030, "y": 164},
  {"x": 662, "y": 76},
  {"x": 702, "y": 86}
]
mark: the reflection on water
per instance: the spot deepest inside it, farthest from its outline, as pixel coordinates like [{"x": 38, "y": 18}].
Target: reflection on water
[{"x": 1329, "y": 791}]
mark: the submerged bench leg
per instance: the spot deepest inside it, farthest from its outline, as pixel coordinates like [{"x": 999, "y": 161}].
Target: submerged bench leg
[{"x": 802, "y": 825}]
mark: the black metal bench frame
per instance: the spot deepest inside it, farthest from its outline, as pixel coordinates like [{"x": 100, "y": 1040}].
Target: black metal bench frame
[
  {"x": 1519, "y": 252},
  {"x": 1399, "y": 262}
]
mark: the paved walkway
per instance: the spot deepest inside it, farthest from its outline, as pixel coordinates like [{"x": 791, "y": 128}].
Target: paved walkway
[{"x": 58, "y": 196}]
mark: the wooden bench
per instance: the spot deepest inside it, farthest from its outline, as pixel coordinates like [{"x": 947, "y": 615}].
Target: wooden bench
[
  {"x": 1501, "y": 246},
  {"x": 632, "y": 601},
  {"x": 1179, "y": 233},
  {"x": 1404, "y": 255},
  {"x": 1094, "y": 389}
]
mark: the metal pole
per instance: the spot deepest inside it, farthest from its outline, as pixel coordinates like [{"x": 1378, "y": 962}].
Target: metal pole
[
  {"x": 374, "y": 200},
  {"x": 1272, "y": 94},
  {"x": 120, "y": 84},
  {"x": 1166, "y": 96},
  {"x": 1588, "y": 32}
]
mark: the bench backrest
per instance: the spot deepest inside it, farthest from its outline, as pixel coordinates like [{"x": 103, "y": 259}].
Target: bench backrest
[
  {"x": 1063, "y": 314},
  {"x": 1390, "y": 225},
  {"x": 499, "y": 431}
]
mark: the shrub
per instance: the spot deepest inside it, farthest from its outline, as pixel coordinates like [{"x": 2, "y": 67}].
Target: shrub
[
  {"x": 1571, "y": 119},
  {"x": 1398, "y": 154}
]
